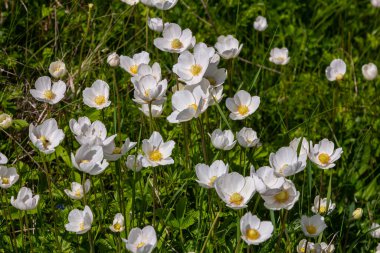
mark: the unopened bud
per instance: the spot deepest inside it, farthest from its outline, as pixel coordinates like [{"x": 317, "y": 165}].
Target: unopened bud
[{"x": 357, "y": 214}]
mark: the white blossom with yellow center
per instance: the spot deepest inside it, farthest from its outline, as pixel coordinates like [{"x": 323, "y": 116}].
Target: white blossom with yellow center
[
  {"x": 242, "y": 105},
  {"x": 312, "y": 226},
  {"x": 336, "y": 70},
  {"x": 324, "y": 154},
  {"x": 253, "y": 230},
  {"x": 8, "y": 177},
  {"x": 131, "y": 65},
  {"x": 157, "y": 152},
  {"x": 47, "y": 92},
  {"x": 174, "y": 39},
  {"x": 141, "y": 240},
  {"x": 97, "y": 96}
]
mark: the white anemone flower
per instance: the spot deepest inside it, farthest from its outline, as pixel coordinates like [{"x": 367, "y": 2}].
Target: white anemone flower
[
  {"x": 304, "y": 149},
  {"x": 3, "y": 159},
  {"x": 242, "y": 105},
  {"x": 89, "y": 159},
  {"x": 312, "y": 226},
  {"x": 281, "y": 198},
  {"x": 113, "y": 59},
  {"x": 323, "y": 154},
  {"x": 375, "y": 230},
  {"x": 131, "y": 65},
  {"x": 320, "y": 206},
  {"x": 156, "y": 151},
  {"x": 370, "y": 71},
  {"x": 228, "y": 47},
  {"x": 175, "y": 40},
  {"x": 235, "y": 190},
  {"x": 191, "y": 67},
  {"x": 279, "y": 56},
  {"x": 45, "y": 92},
  {"x": 141, "y": 240},
  {"x": 286, "y": 162},
  {"x": 156, "y": 110},
  {"x": 375, "y": 3},
  {"x": 267, "y": 179},
  {"x": 80, "y": 221},
  {"x": 5, "y": 120},
  {"x": 147, "y": 70},
  {"x": 8, "y": 177},
  {"x": 46, "y": 137},
  {"x": 202, "y": 48},
  {"x": 118, "y": 223},
  {"x": 324, "y": 247},
  {"x": 113, "y": 153},
  {"x": 247, "y": 138},
  {"x": 188, "y": 104},
  {"x": 216, "y": 95},
  {"x": 207, "y": 175},
  {"x": 336, "y": 70},
  {"x": 155, "y": 24},
  {"x": 149, "y": 90},
  {"x": 301, "y": 247},
  {"x": 57, "y": 69},
  {"x": 77, "y": 192},
  {"x": 253, "y": 230},
  {"x": 25, "y": 200},
  {"x": 164, "y": 4},
  {"x": 216, "y": 76},
  {"x": 131, "y": 2},
  {"x": 97, "y": 96},
  {"x": 134, "y": 163},
  {"x": 223, "y": 140},
  {"x": 260, "y": 24}
]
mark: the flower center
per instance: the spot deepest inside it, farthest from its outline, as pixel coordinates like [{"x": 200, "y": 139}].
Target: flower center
[
  {"x": 78, "y": 193},
  {"x": 155, "y": 156},
  {"x": 195, "y": 69},
  {"x": 57, "y": 68},
  {"x": 282, "y": 196},
  {"x": 252, "y": 234},
  {"x": 140, "y": 245},
  {"x": 5, "y": 180},
  {"x": 311, "y": 229},
  {"x": 176, "y": 44},
  {"x": 243, "y": 109},
  {"x": 84, "y": 161},
  {"x": 280, "y": 58},
  {"x": 284, "y": 167},
  {"x": 117, "y": 226},
  {"x": 45, "y": 141},
  {"x": 99, "y": 100},
  {"x": 212, "y": 180},
  {"x": 116, "y": 150},
  {"x": 48, "y": 94},
  {"x": 134, "y": 69},
  {"x": 211, "y": 80},
  {"x": 81, "y": 226},
  {"x": 147, "y": 93},
  {"x": 322, "y": 209},
  {"x": 339, "y": 77},
  {"x": 194, "y": 106},
  {"x": 236, "y": 199},
  {"x": 324, "y": 158}
]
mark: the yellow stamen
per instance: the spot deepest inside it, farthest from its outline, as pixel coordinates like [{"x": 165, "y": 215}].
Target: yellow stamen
[
  {"x": 99, "y": 100},
  {"x": 81, "y": 226},
  {"x": 282, "y": 196},
  {"x": 116, "y": 150},
  {"x": 140, "y": 245},
  {"x": 176, "y": 44},
  {"x": 280, "y": 58},
  {"x": 194, "y": 106},
  {"x": 311, "y": 229},
  {"x": 84, "y": 161},
  {"x": 45, "y": 141},
  {"x": 211, "y": 80},
  {"x": 134, "y": 69},
  {"x": 339, "y": 77},
  {"x": 78, "y": 193},
  {"x": 117, "y": 226},
  {"x": 48, "y": 94},
  {"x": 252, "y": 234},
  {"x": 155, "y": 156},
  {"x": 212, "y": 180},
  {"x": 147, "y": 93},
  {"x": 195, "y": 69},
  {"x": 324, "y": 158},
  {"x": 236, "y": 199},
  {"x": 322, "y": 209},
  {"x": 243, "y": 109},
  {"x": 5, "y": 180}
]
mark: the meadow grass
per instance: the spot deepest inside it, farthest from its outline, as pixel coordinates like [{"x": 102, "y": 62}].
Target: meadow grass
[{"x": 296, "y": 100}]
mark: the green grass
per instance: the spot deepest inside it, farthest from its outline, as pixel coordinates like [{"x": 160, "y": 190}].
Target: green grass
[{"x": 296, "y": 100}]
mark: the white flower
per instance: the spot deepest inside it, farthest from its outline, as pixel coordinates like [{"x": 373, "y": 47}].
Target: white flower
[
  {"x": 247, "y": 138},
  {"x": 336, "y": 70},
  {"x": 191, "y": 67},
  {"x": 235, "y": 190},
  {"x": 113, "y": 153},
  {"x": 375, "y": 230},
  {"x": 80, "y": 221},
  {"x": 188, "y": 104},
  {"x": 312, "y": 226},
  {"x": 25, "y": 200},
  {"x": 323, "y": 154},
  {"x": 228, "y": 47},
  {"x": 134, "y": 163},
  {"x": 216, "y": 94},
  {"x": 304, "y": 149},
  {"x": 207, "y": 175},
  {"x": 378, "y": 245},
  {"x": 279, "y": 56},
  {"x": 118, "y": 223},
  {"x": 267, "y": 179},
  {"x": 46, "y": 137},
  {"x": 131, "y": 2},
  {"x": 89, "y": 159},
  {"x": 324, "y": 247},
  {"x": 57, "y": 69},
  {"x": 149, "y": 90},
  {"x": 113, "y": 59},
  {"x": 375, "y": 3},
  {"x": 175, "y": 40},
  {"x": 164, "y": 4},
  {"x": 320, "y": 206},
  {"x": 76, "y": 191},
  {"x": 5, "y": 120},
  {"x": 242, "y": 105},
  {"x": 369, "y": 71},
  {"x": 47, "y": 93},
  {"x": 301, "y": 248},
  {"x": 8, "y": 177},
  {"x": 215, "y": 76},
  {"x": 3, "y": 159},
  {"x": 285, "y": 162},
  {"x": 97, "y": 95},
  {"x": 260, "y": 23},
  {"x": 156, "y": 110},
  {"x": 253, "y": 230},
  {"x": 223, "y": 139},
  {"x": 147, "y": 70},
  {"x": 281, "y": 198},
  {"x": 141, "y": 240},
  {"x": 131, "y": 65},
  {"x": 155, "y": 24},
  {"x": 202, "y": 48},
  {"x": 156, "y": 151}
]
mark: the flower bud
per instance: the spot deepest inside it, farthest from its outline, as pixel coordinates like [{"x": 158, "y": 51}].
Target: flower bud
[
  {"x": 5, "y": 120},
  {"x": 113, "y": 59},
  {"x": 357, "y": 214},
  {"x": 369, "y": 71}
]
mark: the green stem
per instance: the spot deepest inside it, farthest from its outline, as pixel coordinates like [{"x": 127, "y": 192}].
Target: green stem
[{"x": 8, "y": 217}]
